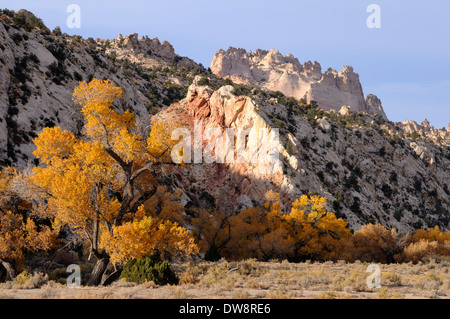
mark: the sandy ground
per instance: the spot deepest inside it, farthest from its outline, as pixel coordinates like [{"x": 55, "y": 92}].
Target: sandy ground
[{"x": 257, "y": 280}]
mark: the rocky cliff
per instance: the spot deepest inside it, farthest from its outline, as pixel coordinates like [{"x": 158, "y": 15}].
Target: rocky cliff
[
  {"x": 366, "y": 168},
  {"x": 273, "y": 71},
  {"x": 370, "y": 169},
  {"x": 40, "y": 69}
]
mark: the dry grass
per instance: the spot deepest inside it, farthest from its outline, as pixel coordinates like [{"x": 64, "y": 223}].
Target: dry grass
[{"x": 258, "y": 280}]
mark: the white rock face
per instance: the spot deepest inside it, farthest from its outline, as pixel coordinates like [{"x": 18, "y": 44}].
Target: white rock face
[
  {"x": 324, "y": 125},
  {"x": 347, "y": 164},
  {"x": 345, "y": 110},
  {"x": 424, "y": 129},
  {"x": 274, "y": 71},
  {"x": 39, "y": 71},
  {"x": 321, "y": 159}
]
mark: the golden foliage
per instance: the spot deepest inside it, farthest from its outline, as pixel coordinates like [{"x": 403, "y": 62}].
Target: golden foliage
[
  {"x": 18, "y": 234},
  {"x": 316, "y": 232},
  {"x": 18, "y": 237},
  {"x": 145, "y": 236},
  {"x": 371, "y": 243},
  {"x": 165, "y": 205},
  {"x": 419, "y": 251},
  {"x": 266, "y": 232},
  {"x": 434, "y": 235},
  {"x": 210, "y": 228},
  {"x": 101, "y": 184}
]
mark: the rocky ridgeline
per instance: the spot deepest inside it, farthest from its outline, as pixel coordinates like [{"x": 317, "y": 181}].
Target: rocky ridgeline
[
  {"x": 370, "y": 169},
  {"x": 339, "y": 91},
  {"x": 367, "y": 173},
  {"x": 425, "y": 130},
  {"x": 274, "y": 71},
  {"x": 145, "y": 51},
  {"x": 39, "y": 70}
]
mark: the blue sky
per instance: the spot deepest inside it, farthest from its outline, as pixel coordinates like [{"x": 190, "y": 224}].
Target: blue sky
[{"x": 406, "y": 62}]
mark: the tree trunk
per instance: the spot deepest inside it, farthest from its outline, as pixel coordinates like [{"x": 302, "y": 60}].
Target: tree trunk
[
  {"x": 98, "y": 271},
  {"x": 6, "y": 271},
  {"x": 109, "y": 278}
]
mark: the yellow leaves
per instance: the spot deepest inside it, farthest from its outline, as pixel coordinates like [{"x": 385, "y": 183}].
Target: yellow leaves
[
  {"x": 17, "y": 237},
  {"x": 307, "y": 231},
  {"x": 117, "y": 130},
  {"x": 160, "y": 143},
  {"x": 99, "y": 178},
  {"x": 143, "y": 237},
  {"x": 210, "y": 227},
  {"x": 165, "y": 205},
  {"x": 376, "y": 243},
  {"x": 96, "y": 91},
  {"x": 105, "y": 125},
  {"x": 12, "y": 239},
  {"x": 43, "y": 239},
  {"x": 272, "y": 197},
  {"x": 442, "y": 239},
  {"x": 432, "y": 234},
  {"x": 314, "y": 229},
  {"x": 6, "y": 176},
  {"x": 74, "y": 180},
  {"x": 54, "y": 144}
]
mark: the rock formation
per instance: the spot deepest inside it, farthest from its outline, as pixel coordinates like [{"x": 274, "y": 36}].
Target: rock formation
[
  {"x": 274, "y": 71},
  {"x": 361, "y": 171},
  {"x": 39, "y": 71},
  {"x": 370, "y": 169},
  {"x": 425, "y": 130}
]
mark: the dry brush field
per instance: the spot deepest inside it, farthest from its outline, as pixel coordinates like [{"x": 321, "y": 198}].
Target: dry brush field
[{"x": 251, "y": 279}]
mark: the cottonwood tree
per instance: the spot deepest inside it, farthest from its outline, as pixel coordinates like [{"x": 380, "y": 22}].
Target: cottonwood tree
[
  {"x": 315, "y": 232},
  {"x": 440, "y": 239},
  {"x": 375, "y": 243},
  {"x": 258, "y": 232},
  {"x": 307, "y": 231},
  {"x": 212, "y": 231},
  {"x": 98, "y": 183},
  {"x": 19, "y": 233}
]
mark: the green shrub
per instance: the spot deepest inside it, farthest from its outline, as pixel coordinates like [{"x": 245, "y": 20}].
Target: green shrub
[
  {"x": 77, "y": 76},
  {"x": 57, "y": 69},
  {"x": 17, "y": 38},
  {"x": 57, "y": 31},
  {"x": 242, "y": 90},
  {"x": 28, "y": 21},
  {"x": 352, "y": 182},
  {"x": 382, "y": 151},
  {"x": 387, "y": 190},
  {"x": 203, "y": 81},
  {"x": 175, "y": 93},
  {"x": 149, "y": 269}
]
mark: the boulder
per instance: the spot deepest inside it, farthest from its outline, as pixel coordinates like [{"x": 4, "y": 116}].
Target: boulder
[
  {"x": 324, "y": 125},
  {"x": 345, "y": 110}
]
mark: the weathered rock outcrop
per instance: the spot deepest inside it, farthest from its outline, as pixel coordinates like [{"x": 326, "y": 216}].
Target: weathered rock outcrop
[
  {"x": 233, "y": 183},
  {"x": 39, "y": 71},
  {"x": 365, "y": 175},
  {"x": 371, "y": 170},
  {"x": 427, "y": 131},
  {"x": 274, "y": 71}
]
